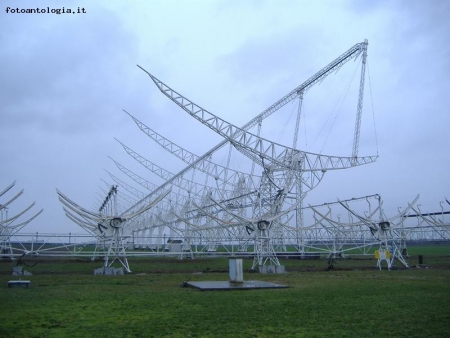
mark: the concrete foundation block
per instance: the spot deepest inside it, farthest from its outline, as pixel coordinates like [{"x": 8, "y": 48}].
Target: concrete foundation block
[
  {"x": 17, "y": 271},
  {"x": 108, "y": 271},
  {"x": 280, "y": 269},
  {"x": 271, "y": 269},
  {"x": 24, "y": 284},
  {"x": 118, "y": 271}
]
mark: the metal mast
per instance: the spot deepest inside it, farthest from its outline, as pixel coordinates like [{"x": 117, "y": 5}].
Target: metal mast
[{"x": 360, "y": 101}]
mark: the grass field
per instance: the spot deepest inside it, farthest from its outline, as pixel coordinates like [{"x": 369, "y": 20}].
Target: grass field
[{"x": 352, "y": 300}]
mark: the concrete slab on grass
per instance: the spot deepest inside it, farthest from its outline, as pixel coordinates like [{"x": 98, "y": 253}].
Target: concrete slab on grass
[
  {"x": 19, "y": 284},
  {"x": 226, "y": 285}
]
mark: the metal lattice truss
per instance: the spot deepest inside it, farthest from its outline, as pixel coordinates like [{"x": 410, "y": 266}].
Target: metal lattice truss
[
  {"x": 258, "y": 206},
  {"x": 216, "y": 201},
  {"x": 370, "y": 227},
  {"x": 242, "y": 203},
  {"x": 426, "y": 226},
  {"x": 10, "y": 225},
  {"x": 110, "y": 229}
]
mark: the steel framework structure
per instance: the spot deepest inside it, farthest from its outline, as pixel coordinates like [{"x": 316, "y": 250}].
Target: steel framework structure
[
  {"x": 10, "y": 225},
  {"x": 210, "y": 205}
]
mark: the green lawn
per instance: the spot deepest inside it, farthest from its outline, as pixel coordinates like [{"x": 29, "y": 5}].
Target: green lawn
[{"x": 353, "y": 300}]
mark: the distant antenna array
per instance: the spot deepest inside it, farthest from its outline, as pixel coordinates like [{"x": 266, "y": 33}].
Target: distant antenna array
[
  {"x": 250, "y": 208},
  {"x": 10, "y": 225},
  {"x": 259, "y": 208}
]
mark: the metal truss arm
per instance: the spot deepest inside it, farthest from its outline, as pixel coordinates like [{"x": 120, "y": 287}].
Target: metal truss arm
[
  {"x": 259, "y": 147},
  {"x": 334, "y": 66},
  {"x": 212, "y": 169},
  {"x": 4, "y": 191},
  {"x": 187, "y": 185}
]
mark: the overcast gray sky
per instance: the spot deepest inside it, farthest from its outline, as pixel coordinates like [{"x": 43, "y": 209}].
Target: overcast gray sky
[{"x": 66, "y": 78}]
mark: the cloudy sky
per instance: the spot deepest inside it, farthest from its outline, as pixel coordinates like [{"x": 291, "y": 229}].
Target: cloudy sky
[{"x": 66, "y": 78}]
